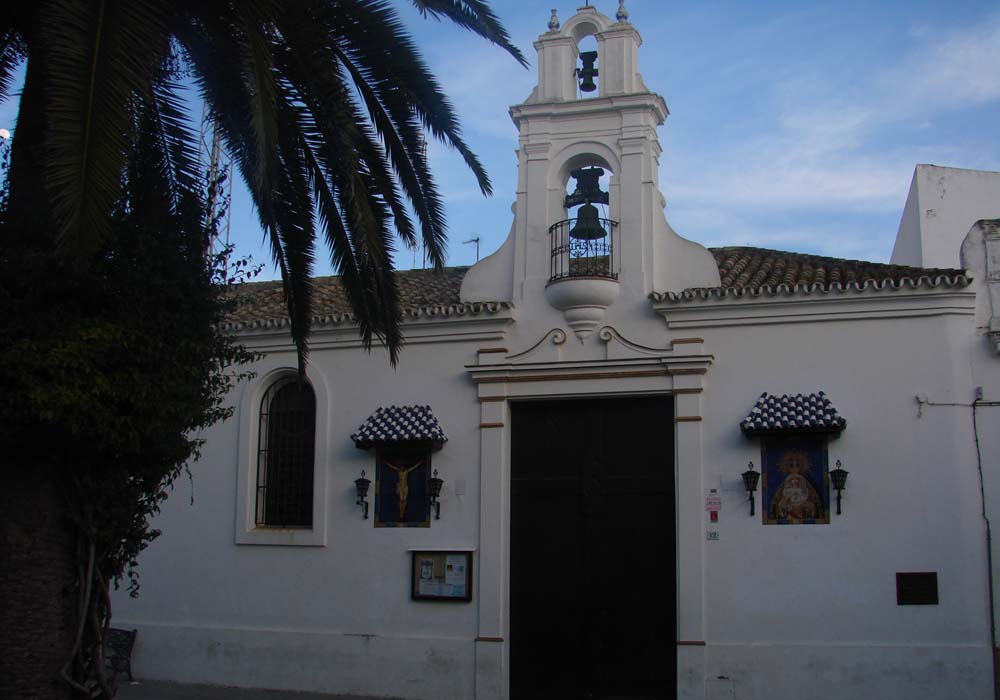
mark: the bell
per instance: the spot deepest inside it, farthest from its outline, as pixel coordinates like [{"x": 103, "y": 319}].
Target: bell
[
  {"x": 588, "y": 224},
  {"x": 588, "y": 72}
]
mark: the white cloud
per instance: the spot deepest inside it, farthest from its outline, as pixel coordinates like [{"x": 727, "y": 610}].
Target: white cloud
[
  {"x": 961, "y": 67},
  {"x": 831, "y": 149},
  {"x": 482, "y": 84},
  {"x": 814, "y": 138},
  {"x": 820, "y": 235}
]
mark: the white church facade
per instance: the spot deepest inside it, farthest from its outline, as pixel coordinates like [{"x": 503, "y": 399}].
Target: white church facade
[{"x": 548, "y": 497}]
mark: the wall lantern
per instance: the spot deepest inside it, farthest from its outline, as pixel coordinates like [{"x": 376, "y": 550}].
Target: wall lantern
[
  {"x": 435, "y": 491},
  {"x": 362, "y": 485},
  {"x": 750, "y": 479},
  {"x": 839, "y": 477}
]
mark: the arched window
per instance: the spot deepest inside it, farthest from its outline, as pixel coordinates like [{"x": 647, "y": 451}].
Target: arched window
[{"x": 285, "y": 447}]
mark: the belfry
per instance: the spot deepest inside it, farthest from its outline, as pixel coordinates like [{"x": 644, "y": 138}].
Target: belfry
[{"x": 564, "y": 130}]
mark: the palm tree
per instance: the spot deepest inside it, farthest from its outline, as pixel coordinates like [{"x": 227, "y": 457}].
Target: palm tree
[{"x": 323, "y": 105}]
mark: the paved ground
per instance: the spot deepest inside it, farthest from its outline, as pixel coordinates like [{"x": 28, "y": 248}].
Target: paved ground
[{"x": 162, "y": 690}]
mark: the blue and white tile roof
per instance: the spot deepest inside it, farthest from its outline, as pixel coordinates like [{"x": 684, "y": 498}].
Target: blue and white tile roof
[
  {"x": 793, "y": 413},
  {"x": 390, "y": 425}
]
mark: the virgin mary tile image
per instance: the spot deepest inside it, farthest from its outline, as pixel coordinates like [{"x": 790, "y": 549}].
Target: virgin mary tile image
[{"x": 795, "y": 486}]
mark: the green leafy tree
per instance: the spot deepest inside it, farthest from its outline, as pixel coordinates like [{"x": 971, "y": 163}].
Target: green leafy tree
[
  {"x": 109, "y": 360},
  {"x": 110, "y": 369}
]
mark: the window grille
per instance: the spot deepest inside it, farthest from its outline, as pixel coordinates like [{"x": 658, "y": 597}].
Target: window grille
[{"x": 285, "y": 448}]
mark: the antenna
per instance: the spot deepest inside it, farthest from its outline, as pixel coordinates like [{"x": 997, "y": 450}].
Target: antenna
[
  {"x": 476, "y": 241},
  {"x": 218, "y": 167}
]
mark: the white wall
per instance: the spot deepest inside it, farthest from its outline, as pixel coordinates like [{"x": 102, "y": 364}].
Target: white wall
[
  {"x": 942, "y": 205},
  {"x": 793, "y": 607},
  {"x": 336, "y": 618},
  {"x": 782, "y": 607}
]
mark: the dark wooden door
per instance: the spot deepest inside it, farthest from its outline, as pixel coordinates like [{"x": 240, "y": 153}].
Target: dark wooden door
[{"x": 593, "y": 600}]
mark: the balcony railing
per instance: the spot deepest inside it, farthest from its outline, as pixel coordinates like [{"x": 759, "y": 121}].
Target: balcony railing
[{"x": 573, "y": 256}]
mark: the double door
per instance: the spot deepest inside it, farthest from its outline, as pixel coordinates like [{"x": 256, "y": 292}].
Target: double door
[{"x": 593, "y": 592}]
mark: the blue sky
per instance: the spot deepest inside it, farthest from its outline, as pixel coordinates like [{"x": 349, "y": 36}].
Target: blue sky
[{"x": 793, "y": 125}]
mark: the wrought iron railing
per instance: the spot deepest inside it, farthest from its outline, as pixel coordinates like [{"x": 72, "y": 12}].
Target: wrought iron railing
[{"x": 582, "y": 257}]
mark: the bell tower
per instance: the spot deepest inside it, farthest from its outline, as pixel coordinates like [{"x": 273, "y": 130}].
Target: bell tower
[{"x": 589, "y": 233}]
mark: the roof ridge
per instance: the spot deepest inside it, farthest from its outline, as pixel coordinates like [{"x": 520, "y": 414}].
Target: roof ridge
[
  {"x": 325, "y": 278},
  {"x": 817, "y": 256},
  {"x": 743, "y": 271}
]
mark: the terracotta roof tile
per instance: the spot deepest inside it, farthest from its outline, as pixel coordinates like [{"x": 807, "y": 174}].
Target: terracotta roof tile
[
  {"x": 744, "y": 271},
  {"x": 757, "y": 271},
  {"x": 422, "y": 293}
]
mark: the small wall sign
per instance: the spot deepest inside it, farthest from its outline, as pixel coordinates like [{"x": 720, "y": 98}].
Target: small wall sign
[
  {"x": 441, "y": 576},
  {"x": 713, "y": 500}
]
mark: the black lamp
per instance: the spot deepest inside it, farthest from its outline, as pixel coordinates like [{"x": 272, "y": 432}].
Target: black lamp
[
  {"x": 362, "y": 485},
  {"x": 750, "y": 479},
  {"x": 839, "y": 477},
  {"x": 435, "y": 491}
]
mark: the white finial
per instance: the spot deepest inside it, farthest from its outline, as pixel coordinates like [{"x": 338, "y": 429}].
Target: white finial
[
  {"x": 622, "y": 14},
  {"x": 553, "y": 22}
]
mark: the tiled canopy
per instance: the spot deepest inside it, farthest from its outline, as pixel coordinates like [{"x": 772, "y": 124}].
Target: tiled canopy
[
  {"x": 391, "y": 425},
  {"x": 793, "y": 413}
]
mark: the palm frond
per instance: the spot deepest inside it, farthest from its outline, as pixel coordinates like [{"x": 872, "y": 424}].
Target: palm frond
[
  {"x": 475, "y": 16},
  {"x": 147, "y": 189},
  {"x": 295, "y": 226},
  {"x": 357, "y": 161},
  {"x": 404, "y": 146},
  {"x": 215, "y": 47},
  {"x": 371, "y": 34},
  {"x": 178, "y": 143},
  {"x": 340, "y": 145},
  {"x": 256, "y": 20},
  {"x": 357, "y": 245},
  {"x": 338, "y": 241},
  {"x": 368, "y": 224},
  {"x": 208, "y": 45},
  {"x": 12, "y": 52},
  {"x": 333, "y": 116},
  {"x": 98, "y": 57}
]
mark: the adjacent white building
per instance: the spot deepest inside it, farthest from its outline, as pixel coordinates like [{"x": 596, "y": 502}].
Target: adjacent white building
[
  {"x": 941, "y": 207},
  {"x": 595, "y": 380}
]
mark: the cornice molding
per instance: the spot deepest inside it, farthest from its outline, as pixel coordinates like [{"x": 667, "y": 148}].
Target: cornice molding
[
  {"x": 873, "y": 303},
  {"x": 622, "y": 359},
  {"x": 411, "y": 314},
  {"x": 639, "y": 100},
  {"x": 432, "y": 326},
  {"x": 868, "y": 285}
]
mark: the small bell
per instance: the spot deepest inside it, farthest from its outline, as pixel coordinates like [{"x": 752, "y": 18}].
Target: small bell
[
  {"x": 588, "y": 224},
  {"x": 588, "y": 72}
]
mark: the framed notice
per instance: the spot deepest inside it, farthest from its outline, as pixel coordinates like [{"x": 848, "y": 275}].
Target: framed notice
[{"x": 441, "y": 576}]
